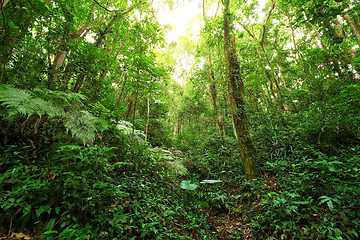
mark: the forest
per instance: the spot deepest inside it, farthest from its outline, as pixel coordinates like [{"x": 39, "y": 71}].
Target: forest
[{"x": 245, "y": 129}]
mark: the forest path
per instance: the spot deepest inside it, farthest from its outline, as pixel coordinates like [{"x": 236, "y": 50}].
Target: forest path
[{"x": 234, "y": 220}]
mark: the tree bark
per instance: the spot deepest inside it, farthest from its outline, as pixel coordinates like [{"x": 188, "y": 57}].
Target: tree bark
[
  {"x": 353, "y": 27},
  {"x": 147, "y": 117},
  {"x": 81, "y": 78},
  {"x": 3, "y": 4},
  {"x": 237, "y": 100},
  {"x": 212, "y": 87},
  {"x": 335, "y": 62}
]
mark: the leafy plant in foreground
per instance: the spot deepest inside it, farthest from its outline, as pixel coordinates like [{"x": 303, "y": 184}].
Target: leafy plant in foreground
[{"x": 80, "y": 123}]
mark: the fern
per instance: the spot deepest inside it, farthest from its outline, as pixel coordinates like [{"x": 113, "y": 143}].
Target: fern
[
  {"x": 80, "y": 124},
  {"x": 127, "y": 128},
  {"x": 22, "y": 102},
  {"x": 174, "y": 165},
  {"x": 60, "y": 97}
]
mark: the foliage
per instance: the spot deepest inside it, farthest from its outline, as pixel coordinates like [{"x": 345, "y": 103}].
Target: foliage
[
  {"x": 100, "y": 141},
  {"x": 82, "y": 192},
  {"x": 213, "y": 156},
  {"x": 81, "y": 124},
  {"x": 316, "y": 200}
]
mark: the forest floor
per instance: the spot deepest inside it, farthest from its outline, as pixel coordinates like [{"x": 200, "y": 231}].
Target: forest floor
[{"x": 234, "y": 221}]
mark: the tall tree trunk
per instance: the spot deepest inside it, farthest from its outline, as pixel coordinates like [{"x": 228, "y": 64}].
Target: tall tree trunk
[
  {"x": 81, "y": 78},
  {"x": 353, "y": 27},
  {"x": 212, "y": 87},
  {"x": 62, "y": 50},
  {"x": 351, "y": 54},
  {"x": 3, "y": 4},
  {"x": 132, "y": 100},
  {"x": 11, "y": 36},
  {"x": 334, "y": 61},
  {"x": 271, "y": 76},
  {"x": 215, "y": 102},
  {"x": 118, "y": 100},
  {"x": 237, "y": 100},
  {"x": 147, "y": 117}
]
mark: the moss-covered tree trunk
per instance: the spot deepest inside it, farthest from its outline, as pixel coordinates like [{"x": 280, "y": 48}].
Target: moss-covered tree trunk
[{"x": 237, "y": 100}]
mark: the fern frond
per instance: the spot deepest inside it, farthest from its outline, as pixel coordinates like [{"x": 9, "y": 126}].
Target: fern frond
[
  {"x": 102, "y": 124},
  {"x": 60, "y": 97},
  {"x": 175, "y": 166},
  {"x": 22, "y": 102},
  {"x": 127, "y": 128},
  {"x": 80, "y": 124}
]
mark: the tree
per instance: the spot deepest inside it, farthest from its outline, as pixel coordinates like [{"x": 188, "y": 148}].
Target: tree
[{"x": 236, "y": 92}]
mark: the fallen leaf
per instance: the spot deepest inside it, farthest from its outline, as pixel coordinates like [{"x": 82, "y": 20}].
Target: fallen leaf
[{"x": 23, "y": 236}]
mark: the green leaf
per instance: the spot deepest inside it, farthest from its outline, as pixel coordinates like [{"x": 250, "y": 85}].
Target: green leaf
[
  {"x": 50, "y": 224},
  {"x": 211, "y": 181},
  {"x": 41, "y": 209},
  {"x": 50, "y": 232},
  {"x": 330, "y": 205},
  {"x": 186, "y": 184},
  {"x": 57, "y": 210},
  {"x": 301, "y": 202}
]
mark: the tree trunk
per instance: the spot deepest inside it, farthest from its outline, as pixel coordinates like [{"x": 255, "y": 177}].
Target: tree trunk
[
  {"x": 147, "y": 117},
  {"x": 215, "y": 102},
  {"x": 3, "y": 4},
  {"x": 237, "y": 101},
  {"x": 118, "y": 100},
  {"x": 335, "y": 62},
  {"x": 212, "y": 87},
  {"x": 353, "y": 27},
  {"x": 81, "y": 79}
]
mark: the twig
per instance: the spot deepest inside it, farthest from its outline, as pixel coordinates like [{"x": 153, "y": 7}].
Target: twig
[
  {"x": 11, "y": 221},
  {"x": 115, "y": 10},
  {"x": 123, "y": 11},
  {"x": 322, "y": 130}
]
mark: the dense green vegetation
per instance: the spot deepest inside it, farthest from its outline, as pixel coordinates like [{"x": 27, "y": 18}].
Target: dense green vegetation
[{"x": 100, "y": 141}]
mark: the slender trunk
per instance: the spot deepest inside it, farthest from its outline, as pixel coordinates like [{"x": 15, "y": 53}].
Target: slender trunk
[
  {"x": 353, "y": 27},
  {"x": 81, "y": 78},
  {"x": 132, "y": 101},
  {"x": 215, "y": 104},
  {"x": 63, "y": 49},
  {"x": 264, "y": 95},
  {"x": 147, "y": 117},
  {"x": 271, "y": 76},
  {"x": 3, "y": 4},
  {"x": 212, "y": 87},
  {"x": 334, "y": 61},
  {"x": 11, "y": 37},
  {"x": 237, "y": 100},
  {"x": 103, "y": 74},
  {"x": 80, "y": 81},
  {"x": 351, "y": 53},
  {"x": 122, "y": 91}
]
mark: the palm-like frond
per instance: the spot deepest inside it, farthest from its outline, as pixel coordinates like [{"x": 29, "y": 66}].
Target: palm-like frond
[
  {"x": 60, "y": 97},
  {"x": 80, "y": 124},
  {"x": 127, "y": 128},
  {"x": 173, "y": 164},
  {"x": 23, "y": 102}
]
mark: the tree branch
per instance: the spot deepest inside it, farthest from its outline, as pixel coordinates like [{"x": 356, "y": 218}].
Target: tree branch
[
  {"x": 265, "y": 23},
  {"x": 247, "y": 30},
  {"x": 123, "y": 11}
]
